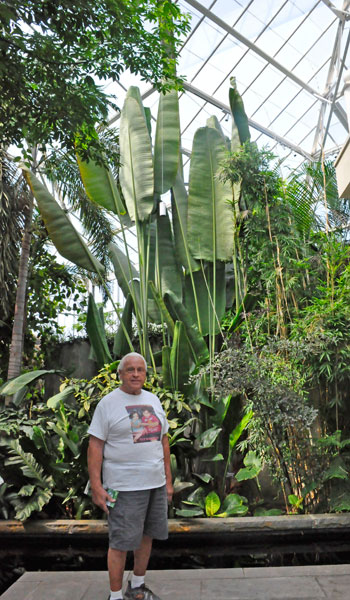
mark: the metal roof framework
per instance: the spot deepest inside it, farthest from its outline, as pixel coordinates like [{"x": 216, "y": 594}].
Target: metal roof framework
[{"x": 288, "y": 57}]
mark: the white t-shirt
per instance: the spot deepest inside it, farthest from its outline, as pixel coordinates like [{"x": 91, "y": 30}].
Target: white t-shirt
[{"x": 132, "y": 427}]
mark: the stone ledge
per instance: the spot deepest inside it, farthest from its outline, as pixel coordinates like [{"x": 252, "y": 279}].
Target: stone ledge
[{"x": 233, "y": 525}]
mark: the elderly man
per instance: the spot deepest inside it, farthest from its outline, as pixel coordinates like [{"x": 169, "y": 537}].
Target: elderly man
[{"x": 128, "y": 442}]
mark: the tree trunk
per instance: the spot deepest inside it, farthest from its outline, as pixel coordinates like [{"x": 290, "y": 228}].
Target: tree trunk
[{"x": 16, "y": 348}]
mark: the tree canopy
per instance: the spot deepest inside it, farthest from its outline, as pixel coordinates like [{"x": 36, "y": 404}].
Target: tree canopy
[{"x": 54, "y": 54}]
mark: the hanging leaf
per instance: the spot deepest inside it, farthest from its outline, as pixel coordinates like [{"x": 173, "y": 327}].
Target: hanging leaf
[
  {"x": 179, "y": 206},
  {"x": 124, "y": 270},
  {"x": 55, "y": 400},
  {"x": 237, "y": 431},
  {"x": 211, "y": 301},
  {"x": 197, "y": 343},
  {"x": 122, "y": 338},
  {"x": 208, "y": 437},
  {"x": 179, "y": 357},
  {"x": 210, "y": 213},
  {"x": 97, "y": 335},
  {"x": 238, "y": 112},
  {"x": 100, "y": 186},
  {"x": 169, "y": 273},
  {"x": 61, "y": 231},
  {"x": 166, "y": 368},
  {"x": 15, "y": 385},
  {"x": 167, "y": 142},
  {"x": 136, "y": 172}
]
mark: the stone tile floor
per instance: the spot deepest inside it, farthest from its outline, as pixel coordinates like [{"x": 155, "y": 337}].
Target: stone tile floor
[{"x": 268, "y": 583}]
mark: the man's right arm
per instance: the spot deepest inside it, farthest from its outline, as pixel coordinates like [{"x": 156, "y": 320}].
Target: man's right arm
[{"x": 95, "y": 458}]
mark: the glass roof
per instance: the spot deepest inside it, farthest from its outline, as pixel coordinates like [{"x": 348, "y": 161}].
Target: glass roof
[{"x": 289, "y": 58}]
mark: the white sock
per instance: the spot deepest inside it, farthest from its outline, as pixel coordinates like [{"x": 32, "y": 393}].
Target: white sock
[
  {"x": 137, "y": 580},
  {"x": 116, "y": 595}
]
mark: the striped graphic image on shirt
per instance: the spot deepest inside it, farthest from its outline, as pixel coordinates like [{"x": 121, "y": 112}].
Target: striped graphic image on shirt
[{"x": 144, "y": 423}]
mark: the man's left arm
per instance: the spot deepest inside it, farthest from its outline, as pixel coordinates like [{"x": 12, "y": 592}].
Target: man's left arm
[{"x": 167, "y": 468}]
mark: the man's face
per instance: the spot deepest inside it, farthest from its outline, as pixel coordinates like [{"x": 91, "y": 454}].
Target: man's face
[{"x": 133, "y": 375}]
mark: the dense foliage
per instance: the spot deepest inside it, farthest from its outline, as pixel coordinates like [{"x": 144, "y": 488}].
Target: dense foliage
[{"x": 54, "y": 53}]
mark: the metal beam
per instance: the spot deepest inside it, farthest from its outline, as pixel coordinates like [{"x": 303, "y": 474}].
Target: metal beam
[
  {"x": 212, "y": 17},
  {"x": 281, "y": 140}
]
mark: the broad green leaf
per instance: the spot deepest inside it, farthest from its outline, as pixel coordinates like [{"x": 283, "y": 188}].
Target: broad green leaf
[
  {"x": 221, "y": 407},
  {"x": 232, "y": 501},
  {"x": 97, "y": 335},
  {"x": 65, "y": 237},
  {"x": 208, "y": 437},
  {"x": 239, "y": 115},
  {"x": 238, "y": 430},
  {"x": 68, "y": 442},
  {"x": 213, "y": 122},
  {"x": 197, "y": 498},
  {"x": 239, "y": 510},
  {"x": 253, "y": 466},
  {"x": 100, "y": 186},
  {"x": 189, "y": 512},
  {"x": 167, "y": 142},
  {"x": 212, "y": 504},
  {"x": 136, "y": 172},
  {"x": 15, "y": 385},
  {"x": 122, "y": 339},
  {"x": 124, "y": 270},
  {"x": 179, "y": 357},
  {"x": 196, "y": 341},
  {"x": 55, "y": 400},
  {"x": 179, "y": 207},
  {"x": 169, "y": 272},
  {"x": 166, "y": 368},
  {"x": 210, "y": 214},
  {"x": 211, "y": 299}
]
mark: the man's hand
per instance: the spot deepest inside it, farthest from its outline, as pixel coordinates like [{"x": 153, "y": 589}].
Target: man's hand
[
  {"x": 100, "y": 496},
  {"x": 169, "y": 491}
]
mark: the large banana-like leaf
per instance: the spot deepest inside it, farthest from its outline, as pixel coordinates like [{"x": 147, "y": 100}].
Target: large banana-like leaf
[
  {"x": 169, "y": 272},
  {"x": 179, "y": 205},
  {"x": 11, "y": 387},
  {"x": 213, "y": 122},
  {"x": 167, "y": 142},
  {"x": 136, "y": 172},
  {"x": 61, "y": 231},
  {"x": 100, "y": 186},
  {"x": 96, "y": 333},
  {"x": 179, "y": 357},
  {"x": 239, "y": 115},
  {"x": 197, "y": 343},
  {"x": 124, "y": 332},
  {"x": 166, "y": 368},
  {"x": 124, "y": 270},
  {"x": 211, "y": 299},
  {"x": 210, "y": 216}
]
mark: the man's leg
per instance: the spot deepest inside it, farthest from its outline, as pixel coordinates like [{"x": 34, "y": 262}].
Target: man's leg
[
  {"x": 116, "y": 565},
  {"x": 141, "y": 556}
]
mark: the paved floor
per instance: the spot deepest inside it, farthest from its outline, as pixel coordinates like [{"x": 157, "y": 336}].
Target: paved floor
[{"x": 270, "y": 583}]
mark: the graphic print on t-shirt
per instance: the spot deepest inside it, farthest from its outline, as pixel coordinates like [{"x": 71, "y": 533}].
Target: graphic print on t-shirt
[{"x": 144, "y": 423}]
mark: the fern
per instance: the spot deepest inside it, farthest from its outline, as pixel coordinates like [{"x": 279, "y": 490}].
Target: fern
[{"x": 38, "y": 491}]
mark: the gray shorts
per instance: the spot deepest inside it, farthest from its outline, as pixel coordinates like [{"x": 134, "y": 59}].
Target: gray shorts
[{"x": 138, "y": 513}]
